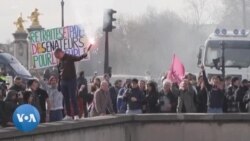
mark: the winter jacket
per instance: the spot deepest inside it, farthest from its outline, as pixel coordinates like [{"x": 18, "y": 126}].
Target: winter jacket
[
  {"x": 152, "y": 102},
  {"x": 186, "y": 101},
  {"x": 121, "y": 104},
  {"x": 67, "y": 66},
  {"x": 113, "y": 94},
  {"x": 9, "y": 106},
  {"x": 201, "y": 100},
  {"x": 2, "y": 113},
  {"x": 138, "y": 94},
  {"x": 101, "y": 103},
  {"x": 167, "y": 102},
  {"x": 246, "y": 100},
  {"x": 82, "y": 81},
  {"x": 232, "y": 101},
  {"x": 215, "y": 95},
  {"x": 241, "y": 92},
  {"x": 16, "y": 88}
]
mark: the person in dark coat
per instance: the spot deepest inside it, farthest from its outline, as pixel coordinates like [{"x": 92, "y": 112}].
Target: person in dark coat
[
  {"x": 121, "y": 104},
  {"x": 187, "y": 98},
  {"x": 17, "y": 86},
  {"x": 232, "y": 96},
  {"x": 81, "y": 80},
  {"x": 134, "y": 98},
  {"x": 142, "y": 86},
  {"x": 114, "y": 90},
  {"x": 167, "y": 98},
  {"x": 215, "y": 93},
  {"x": 241, "y": 92},
  {"x": 68, "y": 83},
  {"x": 201, "y": 96},
  {"x": 27, "y": 97},
  {"x": 82, "y": 87},
  {"x": 2, "y": 111},
  {"x": 44, "y": 100},
  {"x": 152, "y": 96},
  {"x": 33, "y": 86},
  {"x": 10, "y": 104}
]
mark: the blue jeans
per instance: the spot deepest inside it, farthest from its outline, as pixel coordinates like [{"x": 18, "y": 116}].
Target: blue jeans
[
  {"x": 68, "y": 89},
  {"x": 215, "y": 110},
  {"x": 56, "y": 115},
  {"x": 133, "y": 112}
]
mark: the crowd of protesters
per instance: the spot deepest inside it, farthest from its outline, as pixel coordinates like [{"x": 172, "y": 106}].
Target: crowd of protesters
[
  {"x": 78, "y": 98},
  {"x": 194, "y": 94}
]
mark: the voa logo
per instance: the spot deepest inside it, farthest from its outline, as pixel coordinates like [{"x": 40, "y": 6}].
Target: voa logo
[{"x": 26, "y": 118}]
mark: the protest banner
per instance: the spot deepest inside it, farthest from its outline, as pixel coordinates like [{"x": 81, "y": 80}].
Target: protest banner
[{"x": 71, "y": 39}]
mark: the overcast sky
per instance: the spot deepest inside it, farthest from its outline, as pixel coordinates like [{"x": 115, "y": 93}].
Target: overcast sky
[{"x": 86, "y": 12}]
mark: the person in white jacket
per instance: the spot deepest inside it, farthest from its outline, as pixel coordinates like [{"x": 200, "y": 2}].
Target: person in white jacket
[{"x": 55, "y": 98}]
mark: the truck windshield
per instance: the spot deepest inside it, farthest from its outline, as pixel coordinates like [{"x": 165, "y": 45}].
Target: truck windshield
[
  {"x": 236, "y": 53},
  {"x": 20, "y": 69}
]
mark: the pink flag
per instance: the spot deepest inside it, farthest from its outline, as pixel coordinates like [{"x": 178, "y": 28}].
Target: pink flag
[{"x": 177, "y": 70}]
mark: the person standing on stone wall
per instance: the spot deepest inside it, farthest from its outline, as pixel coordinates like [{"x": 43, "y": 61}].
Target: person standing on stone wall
[{"x": 68, "y": 83}]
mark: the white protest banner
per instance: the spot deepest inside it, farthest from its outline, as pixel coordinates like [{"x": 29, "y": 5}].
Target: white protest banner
[{"x": 71, "y": 39}]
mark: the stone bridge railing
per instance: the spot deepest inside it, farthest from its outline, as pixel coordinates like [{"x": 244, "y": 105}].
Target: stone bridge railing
[{"x": 147, "y": 127}]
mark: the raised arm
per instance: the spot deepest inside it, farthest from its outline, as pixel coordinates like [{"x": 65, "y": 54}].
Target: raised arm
[
  {"x": 44, "y": 85},
  {"x": 207, "y": 85},
  {"x": 76, "y": 58}
]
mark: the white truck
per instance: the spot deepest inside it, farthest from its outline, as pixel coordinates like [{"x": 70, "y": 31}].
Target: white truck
[{"x": 236, "y": 45}]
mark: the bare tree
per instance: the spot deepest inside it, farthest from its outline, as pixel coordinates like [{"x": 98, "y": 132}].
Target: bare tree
[
  {"x": 198, "y": 7},
  {"x": 200, "y": 12},
  {"x": 235, "y": 15}
]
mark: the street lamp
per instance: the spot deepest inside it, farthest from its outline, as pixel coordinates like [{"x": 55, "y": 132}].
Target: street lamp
[{"x": 62, "y": 6}]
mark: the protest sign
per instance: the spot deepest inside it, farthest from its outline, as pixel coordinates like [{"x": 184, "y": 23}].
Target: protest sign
[{"x": 71, "y": 39}]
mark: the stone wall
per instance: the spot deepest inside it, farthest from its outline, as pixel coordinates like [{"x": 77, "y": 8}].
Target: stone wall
[{"x": 160, "y": 127}]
